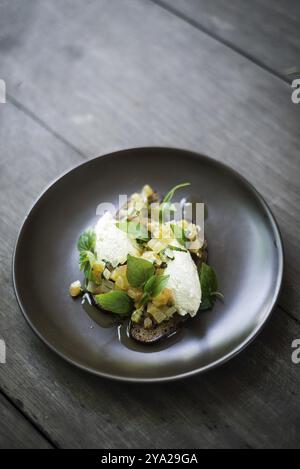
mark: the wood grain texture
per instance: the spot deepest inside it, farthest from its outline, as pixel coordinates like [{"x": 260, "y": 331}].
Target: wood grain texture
[
  {"x": 16, "y": 432},
  {"x": 148, "y": 77},
  {"x": 251, "y": 401},
  {"x": 267, "y": 31},
  {"x": 112, "y": 75}
]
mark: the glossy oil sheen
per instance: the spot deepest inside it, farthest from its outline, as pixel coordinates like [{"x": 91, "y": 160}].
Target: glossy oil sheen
[{"x": 245, "y": 249}]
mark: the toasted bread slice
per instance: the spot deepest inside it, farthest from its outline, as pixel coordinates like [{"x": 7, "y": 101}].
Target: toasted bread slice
[
  {"x": 167, "y": 328},
  {"x": 157, "y": 333}
]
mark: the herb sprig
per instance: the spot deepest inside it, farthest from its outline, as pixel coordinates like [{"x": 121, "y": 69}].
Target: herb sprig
[
  {"x": 116, "y": 301},
  {"x": 86, "y": 247},
  {"x": 153, "y": 287},
  {"x": 209, "y": 286},
  {"x": 166, "y": 205}
]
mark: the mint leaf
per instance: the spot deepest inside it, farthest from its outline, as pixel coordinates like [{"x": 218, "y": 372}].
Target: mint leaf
[
  {"x": 116, "y": 302},
  {"x": 87, "y": 241},
  {"x": 138, "y": 271},
  {"x": 209, "y": 286},
  {"x": 169, "y": 196}
]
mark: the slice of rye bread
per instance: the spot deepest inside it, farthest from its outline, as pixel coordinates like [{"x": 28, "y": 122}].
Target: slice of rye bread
[
  {"x": 156, "y": 333},
  {"x": 161, "y": 331}
]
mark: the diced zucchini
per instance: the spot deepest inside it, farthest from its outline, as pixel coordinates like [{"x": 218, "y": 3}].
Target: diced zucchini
[
  {"x": 164, "y": 298},
  {"x": 93, "y": 288},
  {"x": 75, "y": 288},
  {"x": 134, "y": 293},
  {"x": 147, "y": 191},
  {"x": 106, "y": 273},
  {"x": 148, "y": 323},
  {"x": 156, "y": 245},
  {"x": 156, "y": 313},
  {"x": 137, "y": 316},
  {"x": 106, "y": 286},
  {"x": 170, "y": 312}
]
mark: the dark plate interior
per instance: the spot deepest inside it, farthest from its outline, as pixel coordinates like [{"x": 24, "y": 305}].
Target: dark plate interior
[{"x": 244, "y": 248}]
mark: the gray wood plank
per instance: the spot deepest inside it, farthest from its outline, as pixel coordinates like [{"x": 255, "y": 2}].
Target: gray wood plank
[
  {"x": 16, "y": 432},
  {"x": 87, "y": 78},
  {"x": 266, "y": 30},
  {"x": 251, "y": 401},
  {"x": 148, "y": 77}
]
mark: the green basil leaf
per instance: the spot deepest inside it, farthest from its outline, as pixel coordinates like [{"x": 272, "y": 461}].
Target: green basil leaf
[
  {"x": 209, "y": 286},
  {"x": 87, "y": 241},
  {"x": 116, "y": 302},
  {"x": 169, "y": 196},
  {"x": 138, "y": 271},
  {"x": 155, "y": 285}
]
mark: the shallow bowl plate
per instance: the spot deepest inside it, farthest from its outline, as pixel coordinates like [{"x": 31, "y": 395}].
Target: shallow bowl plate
[{"x": 245, "y": 250}]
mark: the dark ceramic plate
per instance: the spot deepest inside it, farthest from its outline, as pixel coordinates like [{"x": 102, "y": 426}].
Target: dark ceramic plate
[{"x": 245, "y": 249}]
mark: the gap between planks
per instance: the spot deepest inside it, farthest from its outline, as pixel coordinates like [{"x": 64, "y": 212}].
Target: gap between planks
[
  {"x": 39, "y": 430},
  {"x": 216, "y": 37}
]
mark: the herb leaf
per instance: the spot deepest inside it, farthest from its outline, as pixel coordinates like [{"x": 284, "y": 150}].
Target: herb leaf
[
  {"x": 179, "y": 234},
  {"x": 167, "y": 199},
  {"x": 134, "y": 229},
  {"x": 116, "y": 302},
  {"x": 138, "y": 271},
  {"x": 166, "y": 207},
  {"x": 86, "y": 247},
  {"x": 86, "y": 261},
  {"x": 209, "y": 286},
  {"x": 155, "y": 285},
  {"x": 87, "y": 241}
]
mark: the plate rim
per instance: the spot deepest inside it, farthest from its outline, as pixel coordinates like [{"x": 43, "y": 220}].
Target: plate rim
[{"x": 222, "y": 360}]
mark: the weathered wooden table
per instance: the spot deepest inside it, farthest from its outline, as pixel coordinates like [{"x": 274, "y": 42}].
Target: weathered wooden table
[{"x": 86, "y": 78}]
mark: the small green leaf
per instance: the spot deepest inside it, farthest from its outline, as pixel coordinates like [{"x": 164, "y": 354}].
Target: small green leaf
[
  {"x": 134, "y": 229},
  {"x": 155, "y": 285},
  {"x": 138, "y": 271},
  {"x": 209, "y": 286},
  {"x": 87, "y": 241},
  {"x": 169, "y": 196},
  {"x": 116, "y": 302},
  {"x": 179, "y": 234},
  {"x": 86, "y": 261}
]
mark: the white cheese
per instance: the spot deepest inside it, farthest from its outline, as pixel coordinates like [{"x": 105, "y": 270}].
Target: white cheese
[
  {"x": 112, "y": 244},
  {"x": 184, "y": 283}
]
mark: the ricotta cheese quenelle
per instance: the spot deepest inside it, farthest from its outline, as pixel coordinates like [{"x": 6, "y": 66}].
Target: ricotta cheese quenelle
[
  {"x": 112, "y": 244},
  {"x": 184, "y": 283}
]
